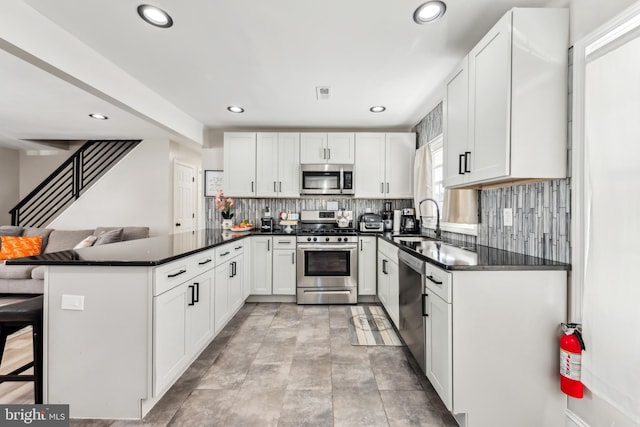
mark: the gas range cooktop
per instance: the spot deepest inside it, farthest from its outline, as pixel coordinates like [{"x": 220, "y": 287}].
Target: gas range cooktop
[{"x": 327, "y": 231}]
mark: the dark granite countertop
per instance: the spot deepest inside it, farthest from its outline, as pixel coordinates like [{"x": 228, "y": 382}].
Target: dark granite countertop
[
  {"x": 143, "y": 252},
  {"x": 162, "y": 249},
  {"x": 452, "y": 256}
]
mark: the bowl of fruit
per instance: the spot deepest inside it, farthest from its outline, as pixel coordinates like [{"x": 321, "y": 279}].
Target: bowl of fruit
[{"x": 243, "y": 226}]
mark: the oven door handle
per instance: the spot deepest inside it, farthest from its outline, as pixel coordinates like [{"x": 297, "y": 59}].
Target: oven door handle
[{"x": 327, "y": 247}]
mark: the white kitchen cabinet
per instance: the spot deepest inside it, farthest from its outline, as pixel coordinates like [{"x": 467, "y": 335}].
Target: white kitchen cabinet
[
  {"x": 182, "y": 316},
  {"x": 228, "y": 285},
  {"x": 388, "y": 280},
  {"x": 384, "y": 165},
  {"x": 336, "y": 148},
  {"x": 517, "y": 103},
  {"x": 262, "y": 260},
  {"x": 240, "y": 164},
  {"x": 284, "y": 265},
  {"x": 278, "y": 164},
  {"x": 367, "y": 254},
  {"x": 455, "y": 106}
]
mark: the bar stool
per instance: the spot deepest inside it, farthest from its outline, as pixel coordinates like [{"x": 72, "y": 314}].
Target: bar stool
[{"x": 14, "y": 317}]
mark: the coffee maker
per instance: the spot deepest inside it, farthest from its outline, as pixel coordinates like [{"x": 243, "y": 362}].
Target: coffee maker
[
  {"x": 387, "y": 217},
  {"x": 408, "y": 222},
  {"x": 266, "y": 221}
]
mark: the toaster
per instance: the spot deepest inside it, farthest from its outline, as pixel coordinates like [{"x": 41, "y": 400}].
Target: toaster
[{"x": 371, "y": 223}]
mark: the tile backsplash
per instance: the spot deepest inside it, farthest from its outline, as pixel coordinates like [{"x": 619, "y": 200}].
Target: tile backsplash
[
  {"x": 541, "y": 216},
  {"x": 252, "y": 209}
]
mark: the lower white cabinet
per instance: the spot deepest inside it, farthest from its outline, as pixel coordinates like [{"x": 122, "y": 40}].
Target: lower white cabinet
[
  {"x": 273, "y": 265},
  {"x": 367, "y": 253},
  {"x": 228, "y": 292},
  {"x": 388, "y": 280},
  {"x": 262, "y": 265},
  {"x": 183, "y": 324}
]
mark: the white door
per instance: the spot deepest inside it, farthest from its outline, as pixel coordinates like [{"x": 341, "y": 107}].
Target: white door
[
  {"x": 369, "y": 170},
  {"x": 184, "y": 200},
  {"x": 490, "y": 98},
  {"x": 456, "y": 126},
  {"x": 341, "y": 148},
  {"x": 399, "y": 160}
]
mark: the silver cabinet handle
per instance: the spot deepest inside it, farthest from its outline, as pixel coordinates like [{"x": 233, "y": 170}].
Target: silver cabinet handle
[
  {"x": 274, "y": 187},
  {"x": 280, "y": 187},
  {"x": 252, "y": 186},
  {"x": 387, "y": 188},
  {"x": 324, "y": 153},
  {"x": 268, "y": 245},
  {"x": 293, "y": 258},
  {"x": 382, "y": 187},
  {"x": 360, "y": 245},
  {"x": 329, "y": 150},
  {"x": 467, "y": 162}
]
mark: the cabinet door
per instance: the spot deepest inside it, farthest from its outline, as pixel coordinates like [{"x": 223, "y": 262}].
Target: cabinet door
[
  {"x": 367, "y": 266},
  {"x": 247, "y": 266},
  {"x": 456, "y": 125},
  {"x": 239, "y": 164},
  {"x": 288, "y": 165},
  {"x": 236, "y": 283},
  {"x": 284, "y": 272},
  {"x": 199, "y": 313},
  {"x": 370, "y": 163},
  {"x": 221, "y": 309},
  {"x": 267, "y": 164},
  {"x": 383, "y": 280},
  {"x": 439, "y": 347},
  {"x": 490, "y": 100},
  {"x": 170, "y": 348},
  {"x": 400, "y": 153},
  {"x": 313, "y": 148},
  {"x": 341, "y": 148},
  {"x": 261, "y": 258},
  {"x": 393, "y": 301}
]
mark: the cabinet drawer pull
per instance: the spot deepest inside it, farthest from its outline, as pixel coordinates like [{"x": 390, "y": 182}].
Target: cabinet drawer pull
[
  {"x": 293, "y": 258},
  {"x": 424, "y": 305},
  {"x": 283, "y": 242},
  {"x": 231, "y": 269},
  {"x": 280, "y": 186},
  {"x": 197, "y": 287},
  {"x": 384, "y": 266},
  {"x": 274, "y": 187},
  {"x": 467, "y": 162},
  {"x": 460, "y": 161},
  {"x": 207, "y": 261},
  {"x": 268, "y": 245},
  {"x": 437, "y": 282},
  {"x": 225, "y": 254},
  {"x": 387, "y": 188},
  {"x": 238, "y": 247},
  {"x": 382, "y": 187},
  {"x": 329, "y": 151},
  {"x": 176, "y": 274}
]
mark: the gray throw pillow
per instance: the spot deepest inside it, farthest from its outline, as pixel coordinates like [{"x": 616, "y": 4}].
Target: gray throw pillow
[
  {"x": 106, "y": 237},
  {"x": 10, "y": 230}
]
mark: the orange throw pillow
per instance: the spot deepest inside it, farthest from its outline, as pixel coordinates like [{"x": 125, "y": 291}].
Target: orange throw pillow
[{"x": 18, "y": 247}]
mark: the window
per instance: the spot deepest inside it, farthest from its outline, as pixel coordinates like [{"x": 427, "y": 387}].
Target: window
[{"x": 437, "y": 170}]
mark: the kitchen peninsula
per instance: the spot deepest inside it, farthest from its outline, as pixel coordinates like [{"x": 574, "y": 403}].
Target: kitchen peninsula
[{"x": 140, "y": 312}]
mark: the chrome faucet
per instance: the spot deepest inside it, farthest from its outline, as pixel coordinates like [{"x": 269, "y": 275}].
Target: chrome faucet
[{"x": 438, "y": 231}]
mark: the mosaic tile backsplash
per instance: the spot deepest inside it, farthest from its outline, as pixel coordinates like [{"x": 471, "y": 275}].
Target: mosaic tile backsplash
[
  {"x": 252, "y": 209},
  {"x": 541, "y": 219}
]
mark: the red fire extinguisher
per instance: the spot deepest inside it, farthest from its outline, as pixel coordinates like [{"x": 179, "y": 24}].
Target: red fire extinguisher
[{"x": 571, "y": 347}]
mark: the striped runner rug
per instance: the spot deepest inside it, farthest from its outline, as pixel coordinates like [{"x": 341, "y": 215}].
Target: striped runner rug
[{"x": 368, "y": 325}]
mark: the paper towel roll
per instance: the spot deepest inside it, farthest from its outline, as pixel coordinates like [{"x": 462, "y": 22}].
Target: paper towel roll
[{"x": 396, "y": 221}]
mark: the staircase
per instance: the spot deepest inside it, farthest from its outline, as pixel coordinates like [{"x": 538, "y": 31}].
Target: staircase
[{"x": 67, "y": 183}]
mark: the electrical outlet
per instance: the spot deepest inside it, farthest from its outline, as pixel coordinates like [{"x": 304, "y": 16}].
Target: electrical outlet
[
  {"x": 72, "y": 302},
  {"x": 507, "y": 215}
]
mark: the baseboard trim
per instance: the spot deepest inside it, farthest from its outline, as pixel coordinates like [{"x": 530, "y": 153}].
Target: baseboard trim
[{"x": 574, "y": 421}]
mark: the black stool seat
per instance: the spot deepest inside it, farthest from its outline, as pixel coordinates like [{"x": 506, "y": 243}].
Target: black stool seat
[{"x": 14, "y": 317}]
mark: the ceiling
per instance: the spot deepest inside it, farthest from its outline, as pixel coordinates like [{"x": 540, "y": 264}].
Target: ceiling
[{"x": 266, "y": 56}]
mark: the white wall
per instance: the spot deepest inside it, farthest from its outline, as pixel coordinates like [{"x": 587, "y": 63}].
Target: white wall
[
  {"x": 9, "y": 183},
  {"x": 134, "y": 192},
  {"x": 34, "y": 169},
  {"x": 587, "y": 16}
]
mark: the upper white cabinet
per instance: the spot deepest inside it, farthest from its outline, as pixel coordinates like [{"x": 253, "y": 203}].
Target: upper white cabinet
[
  {"x": 516, "y": 116},
  {"x": 327, "y": 148},
  {"x": 384, "y": 165},
  {"x": 240, "y": 164},
  {"x": 278, "y": 164}
]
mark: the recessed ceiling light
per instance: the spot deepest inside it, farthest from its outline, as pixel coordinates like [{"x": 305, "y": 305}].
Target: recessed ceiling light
[
  {"x": 377, "y": 109},
  {"x": 155, "y": 16},
  {"x": 429, "y": 12},
  {"x": 235, "y": 109},
  {"x": 98, "y": 116}
]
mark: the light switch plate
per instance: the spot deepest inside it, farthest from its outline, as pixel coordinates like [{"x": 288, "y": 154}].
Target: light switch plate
[
  {"x": 508, "y": 217},
  {"x": 72, "y": 302}
]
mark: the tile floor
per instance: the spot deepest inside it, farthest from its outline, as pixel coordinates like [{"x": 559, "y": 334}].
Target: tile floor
[{"x": 288, "y": 365}]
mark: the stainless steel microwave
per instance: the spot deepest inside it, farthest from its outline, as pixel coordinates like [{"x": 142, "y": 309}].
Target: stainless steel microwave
[{"x": 326, "y": 179}]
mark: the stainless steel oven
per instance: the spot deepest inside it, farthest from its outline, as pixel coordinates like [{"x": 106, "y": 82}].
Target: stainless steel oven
[
  {"x": 327, "y": 262},
  {"x": 326, "y": 179}
]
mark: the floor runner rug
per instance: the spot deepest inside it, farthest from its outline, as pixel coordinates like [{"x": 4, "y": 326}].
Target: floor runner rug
[{"x": 369, "y": 325}]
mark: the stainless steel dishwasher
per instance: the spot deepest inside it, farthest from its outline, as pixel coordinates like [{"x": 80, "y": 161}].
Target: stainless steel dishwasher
[{"x": 412, "y": 328}]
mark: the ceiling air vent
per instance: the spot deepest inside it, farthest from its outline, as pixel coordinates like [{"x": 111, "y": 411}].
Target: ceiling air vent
[{"x": 323, "y": 93}]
